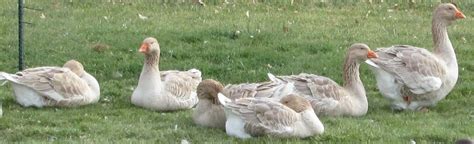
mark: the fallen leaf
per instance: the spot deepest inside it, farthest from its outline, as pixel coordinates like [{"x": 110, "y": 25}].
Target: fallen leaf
[
  {"x": 142, "y": 17},
  {"x": 100, "y": 47},
  {"x": 42, "y": 16}
]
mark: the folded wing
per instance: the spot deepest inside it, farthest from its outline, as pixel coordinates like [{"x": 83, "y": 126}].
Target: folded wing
[{"x": 417, "y": 68}]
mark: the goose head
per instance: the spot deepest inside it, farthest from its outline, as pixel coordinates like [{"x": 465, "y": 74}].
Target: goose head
[
  {"x": 361, "y": 52},
  {"x": 75, "y": 66},
  {"x": 447, "y": 13},
  {"x": 149, "y": 46},
  {"x": 296, "y": 102},
  {"x": 208, "y": 90}
]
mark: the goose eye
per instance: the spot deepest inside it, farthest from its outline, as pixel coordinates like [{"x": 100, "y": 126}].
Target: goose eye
[{"x": 450, "y": 8}]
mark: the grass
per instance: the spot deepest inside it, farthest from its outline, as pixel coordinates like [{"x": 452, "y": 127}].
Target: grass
[{"x": 204, "y": 37}]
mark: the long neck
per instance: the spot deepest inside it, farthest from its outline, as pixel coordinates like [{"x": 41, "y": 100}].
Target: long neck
[
  {"x": 442, "y": 45},
  {"x": 150, "y": 71},
  {"x": 352, "y": 81}
]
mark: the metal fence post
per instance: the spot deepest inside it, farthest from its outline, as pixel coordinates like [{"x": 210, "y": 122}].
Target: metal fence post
[{"x": 21, "y": 53}]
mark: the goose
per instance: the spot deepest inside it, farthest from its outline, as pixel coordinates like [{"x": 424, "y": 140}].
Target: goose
[
  {"x": 413, "y": 78},
  {"x": 65, "y": 86},
  {"x": 292, "y": 116},
  {"x": 209, "y": 112},
  {"x": 326, "y": 96},
  {"x": 464, "y": 141},
  {"x": 164, "y": 91}
]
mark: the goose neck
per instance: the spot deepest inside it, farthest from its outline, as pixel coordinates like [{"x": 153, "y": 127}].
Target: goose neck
[
  {"x": 352, "y": 80},
  {"x": 442, "y": 45},
  {"x": 151, "y": 62},
  {"x": 150, "y": 71}
]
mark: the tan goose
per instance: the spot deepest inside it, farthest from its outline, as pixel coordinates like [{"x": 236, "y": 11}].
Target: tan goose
[
  {"x": 414, "y": 78},
  {"x": 326, "y": 96},
  {"x": 292, "y": 116},
  {"x": 63, "y": 86},
  {"x": 165, "y": 91},
  {"x": 209, "y": 112}
]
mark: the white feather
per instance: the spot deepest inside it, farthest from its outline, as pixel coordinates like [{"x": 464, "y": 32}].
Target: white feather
[
  {"x": 368, "y": 61},
  {"x": 142, "y": 17},
  {"x": 26, "y": 96},
  {"x": 272, "y": 77},
  {"x": 234, "y": 126},
  {"x": 223, "y": 99}
]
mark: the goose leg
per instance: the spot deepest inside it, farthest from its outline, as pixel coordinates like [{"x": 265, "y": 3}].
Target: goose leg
[
  {"x": 402, "y": 104},
  {"x": 407, "y": 99}
]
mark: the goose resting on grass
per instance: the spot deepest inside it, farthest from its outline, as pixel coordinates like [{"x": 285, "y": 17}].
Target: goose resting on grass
[
  {"x": 63, "y": 86},
  {"x": 292, "y": 116},
  {"x": 326, "y": 96},
  {"x": 164, "y": 91},
  {"x": 209, "y": 112},
  {"x": 414, "y": 78}
]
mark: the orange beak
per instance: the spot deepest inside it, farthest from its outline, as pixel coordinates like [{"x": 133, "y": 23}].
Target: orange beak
[
  {"x": 372, "y": 54},
  {"x": 459, "y": 15},
  {"x": 144, "y": 48}
]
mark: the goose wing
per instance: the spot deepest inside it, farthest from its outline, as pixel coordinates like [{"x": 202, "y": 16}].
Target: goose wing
[{"x": 417, "y": 68}]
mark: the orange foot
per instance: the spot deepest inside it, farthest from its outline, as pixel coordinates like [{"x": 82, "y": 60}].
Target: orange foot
[{"x": 407, "y": 99}]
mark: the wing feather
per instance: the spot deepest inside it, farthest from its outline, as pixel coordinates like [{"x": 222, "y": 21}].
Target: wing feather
[
  {"x": 417, "y": 68},
  {"x": 264, "y": 89},
  {"x": 181, "y": 84},
  {"x": 323, "y": 93},
  {"x": 315, "y": 86},
  {"x": 264, "y": 115}
]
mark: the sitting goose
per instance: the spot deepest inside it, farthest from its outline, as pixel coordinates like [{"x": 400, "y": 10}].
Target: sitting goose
[
  {"x": 165, "y": 91},
  {"x": 209, "y": 112},
  {"x": 63, "y": 86},
  {"x": 326, "y": 96},
  {"x": 414, "y": 78},
  {"x": 292, "y": 116}
]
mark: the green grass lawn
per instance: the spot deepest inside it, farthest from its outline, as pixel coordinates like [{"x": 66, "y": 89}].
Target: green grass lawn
[{"x": 277, "y": 37}]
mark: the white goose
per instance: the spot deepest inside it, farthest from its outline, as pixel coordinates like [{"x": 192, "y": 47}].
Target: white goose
[
  {"x": 326, "y": 96},
  {"x": 209, "y": 112},
  {"x": 63, "y": 86},
  {"x": 165, "y": 91},
  {"x": 414, "y": 78},
  {"x": 292, "y": 116}
]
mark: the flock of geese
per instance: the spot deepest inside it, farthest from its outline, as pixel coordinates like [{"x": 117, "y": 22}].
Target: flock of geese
[{"x": 411, "y": 78}]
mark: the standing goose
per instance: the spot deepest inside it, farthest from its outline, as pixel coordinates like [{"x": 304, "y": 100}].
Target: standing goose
[
  {"x": 63, "y": 86},
  {"x": 326, "y": 96},
  {"x": 209, "y": 112},
  {"x": 168, "y": 91},
  {"x": 414, "y": 78},
  {"x": 292, "y": 116}
]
